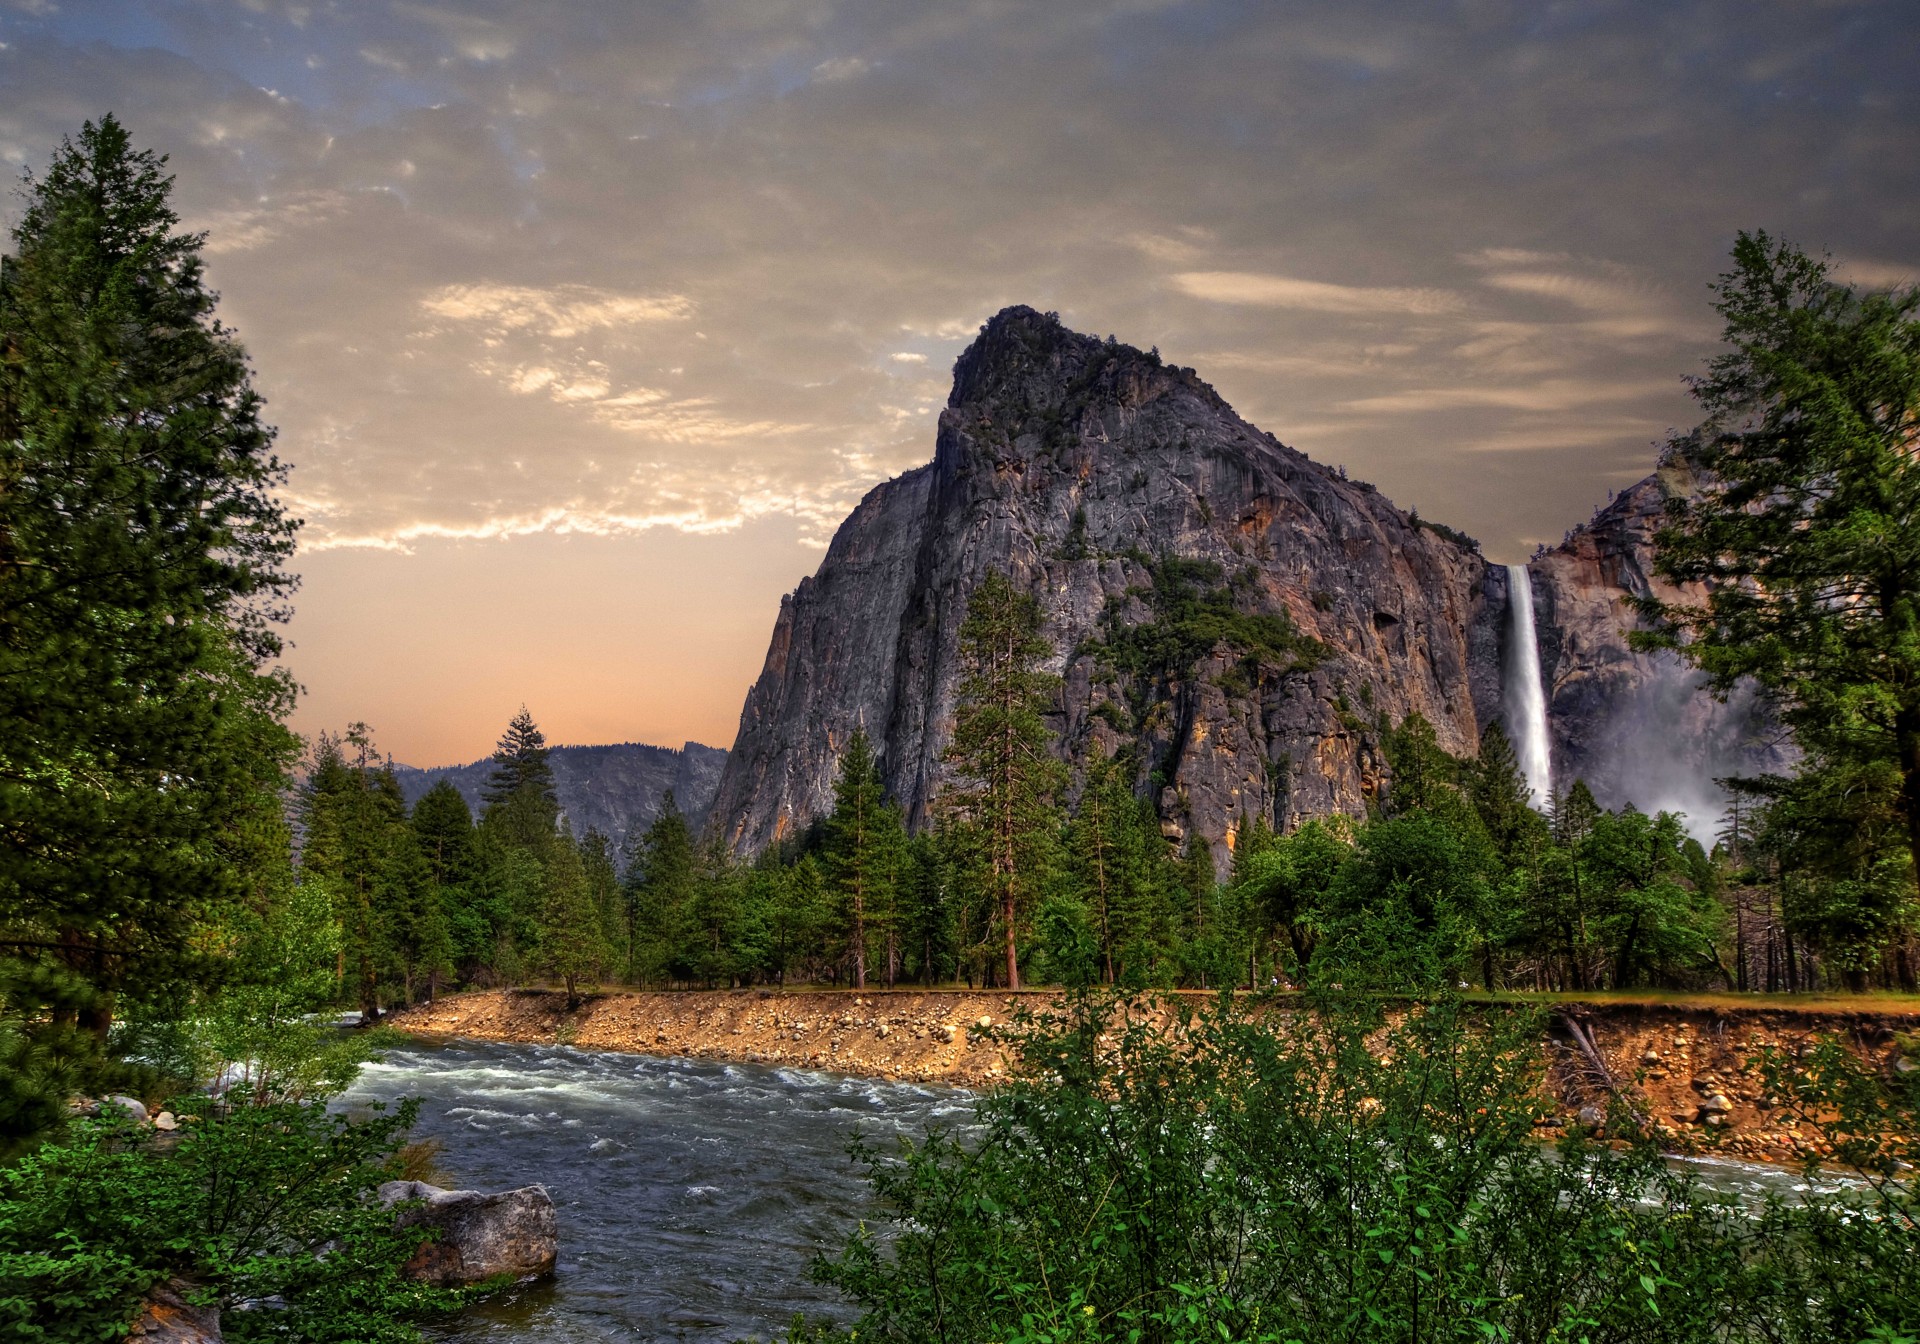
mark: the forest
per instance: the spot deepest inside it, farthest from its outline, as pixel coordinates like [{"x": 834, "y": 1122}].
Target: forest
[{"x": 1495, "y": 893}]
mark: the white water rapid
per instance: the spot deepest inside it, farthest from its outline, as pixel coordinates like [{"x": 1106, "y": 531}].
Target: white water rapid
[{"x": 1525, "y": 696}]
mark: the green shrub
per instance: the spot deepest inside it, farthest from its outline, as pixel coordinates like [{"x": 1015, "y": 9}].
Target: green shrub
[
  {"x": 268, "y": 1211},
  {"x": 1162, "y": 1178}
]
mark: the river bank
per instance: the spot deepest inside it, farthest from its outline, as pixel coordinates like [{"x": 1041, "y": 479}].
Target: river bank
[{"x": 1683, "y": 1068}]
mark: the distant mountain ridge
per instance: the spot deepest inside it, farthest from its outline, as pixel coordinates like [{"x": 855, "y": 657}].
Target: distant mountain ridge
[{"x": 616, "y": 789}]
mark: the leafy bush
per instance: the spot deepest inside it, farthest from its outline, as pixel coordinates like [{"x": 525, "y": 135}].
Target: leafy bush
[
  {"x": 269, "y": 1211},
  {"x": 1163, "y": 1178}
]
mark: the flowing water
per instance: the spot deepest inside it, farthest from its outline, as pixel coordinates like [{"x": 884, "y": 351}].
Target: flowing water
[
  {"x": 692, "y": 1195},
  {"x": 1526, "y": 697}
]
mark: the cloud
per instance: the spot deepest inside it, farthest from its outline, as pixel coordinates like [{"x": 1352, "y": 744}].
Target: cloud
[
  {"x": 1552, "y": 394},
  {"x": 839, "y": 69},
  {"x": 1871, "y": 274},
  {"x": 1281, "y": 291},
  {"x": 247, "y": 228},
  {"x": 561, "y": 312}
]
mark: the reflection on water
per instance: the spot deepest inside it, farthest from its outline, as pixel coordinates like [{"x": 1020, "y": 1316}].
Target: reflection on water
[{"x": 692, "y": 1195}]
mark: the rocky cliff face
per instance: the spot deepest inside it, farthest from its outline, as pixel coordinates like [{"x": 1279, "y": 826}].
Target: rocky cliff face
[
  {"x": 1121, "y": 491},
  {"x": 616, "y": 790},
  {"x": 1082, "y": 469},
  {"x": 1637, "y": 727}
]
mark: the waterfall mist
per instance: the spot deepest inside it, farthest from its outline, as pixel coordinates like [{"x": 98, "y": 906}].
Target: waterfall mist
[{"x": 1525, "y": 696}]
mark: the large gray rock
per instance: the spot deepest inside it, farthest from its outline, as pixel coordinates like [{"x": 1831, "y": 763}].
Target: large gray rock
[
  {"x": 167, "y": 1318},
  {"x": 1074, "y": 464},
  {"x": 482, "y": 1236}
]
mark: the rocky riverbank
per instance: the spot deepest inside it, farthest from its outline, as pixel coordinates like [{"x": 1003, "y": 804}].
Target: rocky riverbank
[{"x": 1685, "y": 1070}]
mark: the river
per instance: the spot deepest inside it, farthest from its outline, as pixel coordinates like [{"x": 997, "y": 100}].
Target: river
[{"x": 692, "y": 1195}]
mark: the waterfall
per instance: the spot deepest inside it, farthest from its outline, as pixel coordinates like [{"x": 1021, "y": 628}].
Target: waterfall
[{"x": 1526, "y": 698}]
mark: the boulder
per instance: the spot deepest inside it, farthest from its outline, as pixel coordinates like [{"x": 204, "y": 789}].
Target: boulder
[
  {"x": 1716, "y": 1104},
  {"x": 482, "y": 1236},
  {"x": 132, "y": 1106},
  {"x": 166, "y": 1317}
]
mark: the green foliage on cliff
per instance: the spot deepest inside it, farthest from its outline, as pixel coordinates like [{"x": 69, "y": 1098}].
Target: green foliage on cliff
[{"x": 1196, "y": 608}]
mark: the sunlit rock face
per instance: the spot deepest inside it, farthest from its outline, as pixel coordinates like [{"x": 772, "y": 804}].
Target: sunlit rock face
[
  {"x": 1078, "y": 466},
  {"x": 1637, "y": 727},
  {"x": 1075, "y": 465}
]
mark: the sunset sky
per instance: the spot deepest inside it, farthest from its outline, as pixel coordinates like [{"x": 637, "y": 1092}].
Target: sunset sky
[{"x": 584, "y": 323}]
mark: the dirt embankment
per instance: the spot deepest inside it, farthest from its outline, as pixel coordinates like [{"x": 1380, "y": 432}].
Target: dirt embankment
[
  {"x": 920, "y": 1037},
  {"x": 1685, "y": 1071}
]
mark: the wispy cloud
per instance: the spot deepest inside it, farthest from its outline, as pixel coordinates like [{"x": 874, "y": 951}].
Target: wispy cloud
[
  {"x": 1551, "y": 394},
  {"x": 561, "y": 312},
  {"x": 1284, "y": 291}
]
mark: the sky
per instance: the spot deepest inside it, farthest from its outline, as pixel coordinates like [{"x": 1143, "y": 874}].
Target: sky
[{"x": 584, "y": 324}]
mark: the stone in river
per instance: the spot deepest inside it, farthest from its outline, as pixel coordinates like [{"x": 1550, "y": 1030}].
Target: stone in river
[{"x": 481, "y": 1235}]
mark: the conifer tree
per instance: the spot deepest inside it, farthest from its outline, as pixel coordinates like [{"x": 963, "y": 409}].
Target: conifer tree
[
  {"x": 926, "y": 914},
  {"x": 660, "y": 884},
  {"x": 1097, "y": 855},
  {"x": 1805, "y": 517},
  {"x": 793, "y": 901},
  {"x": 603, "y": 887},
  {"x": 519, "y": 793},
  {"x": 358, "y": 842},
  {"x": 861, "y": 856},
  {"x": 443, "y": 830},
  {"x": 569, "y": 945},
  {"x": 1001, "y": 747},
  {"x": 141, "y": 553},
  {"x": 1501, "y": 796}
]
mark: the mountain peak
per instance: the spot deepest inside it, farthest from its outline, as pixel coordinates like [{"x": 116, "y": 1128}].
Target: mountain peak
[{"x": 1030, "y": 358}]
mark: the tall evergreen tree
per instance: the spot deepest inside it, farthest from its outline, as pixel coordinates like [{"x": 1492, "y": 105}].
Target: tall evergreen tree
[
  {"x": 519, "y": 793},
  {"x": 660, "y": 888},
  {"x": 357, "y": 841},
  {"x": 1001, "y": 747},
  {"x": 926, "y": 915},
  {"x": 141, "y": 553},
  {"x": 861, "y": 857},
  {"x": 1805, "y": 519},
  {"x": 569, "y": 945},
  {"x": 1501, "y": 796}
]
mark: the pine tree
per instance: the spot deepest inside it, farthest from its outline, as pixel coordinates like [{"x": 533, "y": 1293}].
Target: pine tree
[
  {"x": 1501, "y": 796},
  {"x": 926, "y": 915},
  {"x": 356, "y": 840},
  {"x": 141, "y": 552},
  {"x": 1805, "y": 517},
  {"x": 793, "y": 900},
  {"x": 519, "y": 793},
  {"x": 569, "y": 945},
  {"x": 659, "y": 885},
  {"x": 603, "y": 887},
  {"x": 861, "y": 857},
  {"x": 1001, "y": 748}
]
